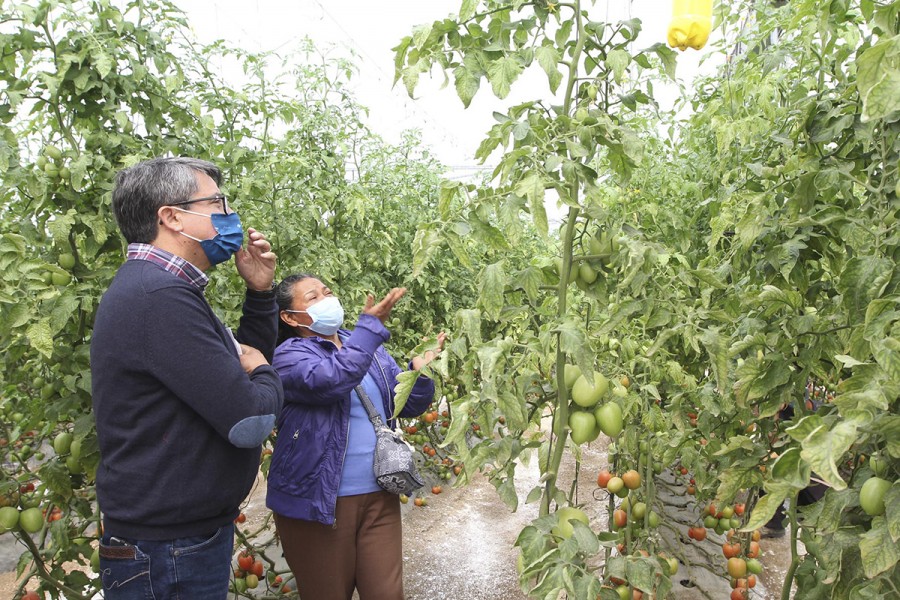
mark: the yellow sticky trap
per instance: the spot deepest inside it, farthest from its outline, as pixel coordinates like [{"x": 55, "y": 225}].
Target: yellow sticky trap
[{"x": 691, "y": 24}]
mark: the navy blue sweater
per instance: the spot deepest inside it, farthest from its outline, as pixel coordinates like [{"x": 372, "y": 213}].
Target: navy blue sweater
[{"x": 179, "y": 422}]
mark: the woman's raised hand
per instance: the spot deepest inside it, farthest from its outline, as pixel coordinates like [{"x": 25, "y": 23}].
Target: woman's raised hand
[{"x": 382, "y": 310}]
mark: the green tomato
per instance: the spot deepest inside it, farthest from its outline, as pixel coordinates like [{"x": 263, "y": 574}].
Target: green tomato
[
  {"x": 584, "y": 427},
  {"x": 62, "y": 443},
  {"x": 74, "y": 465},
  {"x": 60, "y": 278},
  {"x": 9, "y": 518},
  {"x": 586, "y": 394},
  {"x": 754, "y": 566},
  {"x": 614, "y": 485},
  {"x": 571, "y": 373},
  {"x": 75, "y": 448},
  {"x": 31, "y": 520},
  {"x": 564, "y": 528},
  {"x": 639, "y": 511},
  {"x": 871, "y": 496},
  {"x": 673, "y": 566},
  {"x": 586, "y": 273},
  {"x": 609, "y": 418},
  {"x": 66, "y": 260},
  {"x": 879, "y": 465}
]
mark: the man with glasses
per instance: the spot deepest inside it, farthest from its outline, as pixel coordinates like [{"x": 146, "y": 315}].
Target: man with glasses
[{"x": 181, "y": 404}]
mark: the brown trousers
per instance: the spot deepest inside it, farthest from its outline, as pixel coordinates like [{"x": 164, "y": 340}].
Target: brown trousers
[{"x": 362, "y": 551}]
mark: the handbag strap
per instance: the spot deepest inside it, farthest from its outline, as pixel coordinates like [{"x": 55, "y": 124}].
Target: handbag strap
[{"x": 374, "y": 417}]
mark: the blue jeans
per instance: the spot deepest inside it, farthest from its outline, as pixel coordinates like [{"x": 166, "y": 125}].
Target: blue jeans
[{"x": 182, "y": 569}]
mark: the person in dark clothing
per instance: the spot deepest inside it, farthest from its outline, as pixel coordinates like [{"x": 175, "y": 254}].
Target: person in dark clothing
[
  {"x": 339, "y": 530},
  {"x": 812, "y": 493},
  {"x": 182, "y": 405}
]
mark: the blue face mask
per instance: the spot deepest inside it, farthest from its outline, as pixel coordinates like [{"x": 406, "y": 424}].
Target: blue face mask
[
  {"x": 228, "y": 239},
  {"x": 327, "y": 316}
]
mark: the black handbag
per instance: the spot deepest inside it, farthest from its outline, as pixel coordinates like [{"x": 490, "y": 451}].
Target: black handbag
[{"x": 394, "y": 466}]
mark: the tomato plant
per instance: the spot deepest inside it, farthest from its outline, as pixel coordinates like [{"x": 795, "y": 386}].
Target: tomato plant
[
  {"x": 88, "y": 88},
  {"x": 748, "y": 290}
]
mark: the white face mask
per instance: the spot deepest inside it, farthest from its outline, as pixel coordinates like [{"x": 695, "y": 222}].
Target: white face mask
[{"x": 327, "y": 316}]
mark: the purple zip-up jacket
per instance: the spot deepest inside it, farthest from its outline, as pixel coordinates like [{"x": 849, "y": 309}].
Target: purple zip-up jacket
[{"x": 305, "y": 473}]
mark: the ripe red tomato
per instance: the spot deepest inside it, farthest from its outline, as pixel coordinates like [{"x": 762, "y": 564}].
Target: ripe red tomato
[
  {"x": 240, "y": 518},
  {"x": 436, "y": 489},
  {"x": 753, "y": 551},
  {"x": 699, "y": 533},
  {"x": 739, "y": 509},
  {"x": 620, "y": 518},
  {"x": 738, "y": 594},
  {"x": 632, "y": 479},
  {"x": 32, "y": 595},
  {"x": 603, "y": 478},
  {"x": 731, "y": 550},
  {"x": 245, "y": 561},
  {"x": 257, "y": 568}
]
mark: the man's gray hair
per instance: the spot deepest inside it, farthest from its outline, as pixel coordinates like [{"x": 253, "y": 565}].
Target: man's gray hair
[{"x": 141, "y": 190}]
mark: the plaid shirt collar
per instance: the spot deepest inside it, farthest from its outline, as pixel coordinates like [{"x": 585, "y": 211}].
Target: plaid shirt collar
[{"x": 169, "y": 262}]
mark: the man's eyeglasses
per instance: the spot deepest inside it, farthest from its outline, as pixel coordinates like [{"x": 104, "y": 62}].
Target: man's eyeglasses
[{"x": 218, "y": 199}]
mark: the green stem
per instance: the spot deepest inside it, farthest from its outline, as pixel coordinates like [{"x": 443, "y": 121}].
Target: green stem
[
  {"x": 795, "y": 558},
  {"x": 561, "y": 414},
  {"x": 44, "y": 574}
]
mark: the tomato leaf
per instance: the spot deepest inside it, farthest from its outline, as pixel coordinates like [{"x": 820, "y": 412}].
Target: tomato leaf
[
  {"x": 425, "y": 245},
  {"x": 531, "y": 186},
  {"x": 40, "y": 334},
  {"x": 548, "y": 58},
  {"x": 587, "y": 540},
  {"x": 57, "y": 479},
  {"x": 823, "y": 449},
  {"x": 764, "y": 511},
  {"x": 789, "y": 468},
  {"x": 506, "y": 489},
  {"x": 405, "y": 382},
  {"x": 642, "y": 572},
  {"x": 892, "y": 511},
  {"x": 887, "y": 353},
  {"x": 832, "y": 508},
  {"x": 888, "y": 426},
  {"x": 467, "y": 84},
  {"x": 878, "y": 79},
  {"x": 502, "y": 73},
  {"x": 491, "y": 282},
  {"x": 879, "y": 552},
  {"x": 586, "y": 585},
  {"x": 862, "y": 280}
]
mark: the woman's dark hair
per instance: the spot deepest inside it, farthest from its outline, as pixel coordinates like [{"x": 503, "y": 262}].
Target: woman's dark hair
[{"x": 284, "y": 297}]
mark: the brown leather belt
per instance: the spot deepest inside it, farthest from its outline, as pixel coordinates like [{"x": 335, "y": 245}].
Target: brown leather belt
[{"x": 117, "y": 551}]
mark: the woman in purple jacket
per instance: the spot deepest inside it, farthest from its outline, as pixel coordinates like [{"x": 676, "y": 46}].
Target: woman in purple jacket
[{"x": 338, "y": 529}]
